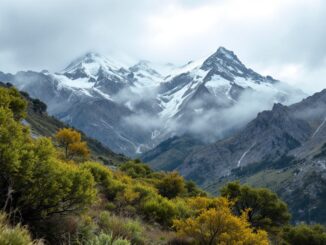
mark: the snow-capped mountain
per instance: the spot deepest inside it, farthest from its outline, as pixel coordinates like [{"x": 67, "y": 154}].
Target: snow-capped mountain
[{"x": 132, "y": 109}]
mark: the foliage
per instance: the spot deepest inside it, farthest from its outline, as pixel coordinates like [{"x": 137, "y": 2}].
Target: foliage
[
  {"x": 160, "y": 210},
  {"x": 121, "y": 227},
  {"x": 25, "y": 162},
  {"x": 38, "y": 106},
  {"x": 71, "y": 142},
  {"x": 219, "y": 226},
  {"x": 16, "y": 235},
  {"x": 171, "y": 185},
  {"x": 105, "y": 239},
  {"x": 265, "y": 209},
  {"x": 11, "y": 99},
  {"x": 135, "y": 169},
  {"x": 56, "y": 197},
  {"x": 34, "y": 184},
  {"x": 305, "y": 235},
  {"x": 104, "y": 179},
  {"x": 193, "y": 190}
]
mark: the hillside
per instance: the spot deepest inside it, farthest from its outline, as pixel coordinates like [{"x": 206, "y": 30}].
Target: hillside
[{"x": 43, "y": 124}]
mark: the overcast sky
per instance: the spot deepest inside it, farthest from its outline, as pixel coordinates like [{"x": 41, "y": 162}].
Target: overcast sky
[{"x": 283, "y": 38}]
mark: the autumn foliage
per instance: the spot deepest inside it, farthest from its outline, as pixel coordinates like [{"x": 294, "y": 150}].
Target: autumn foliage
[
  {"x": 70, "y": 141},
  {"x": 214, "y": 223}
]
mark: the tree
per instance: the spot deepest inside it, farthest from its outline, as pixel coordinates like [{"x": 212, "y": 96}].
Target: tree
[
  {"x": 218, "y": 225},
  {"x": 71, "y": 142},
  {"x": 11, "y": 99},
  {"x": 171, "y": 185},
  {"x": 265, "y": 208}
]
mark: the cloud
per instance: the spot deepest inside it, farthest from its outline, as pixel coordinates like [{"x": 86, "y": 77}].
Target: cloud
[
  {"x": 284, "y": 37},
  {"x": 220, "y": 123}
]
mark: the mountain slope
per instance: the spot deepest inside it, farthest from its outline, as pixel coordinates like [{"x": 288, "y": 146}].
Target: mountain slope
[
  {"x": 169, "y": 154},
  {"x": 273, "y": 134},
  {"x": 42, "y": 124},
  {"x": 133, "y": 109}
]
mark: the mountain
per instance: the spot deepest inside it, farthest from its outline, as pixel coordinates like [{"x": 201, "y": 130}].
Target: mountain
[
  {"x": 131, "y": 109},
  {"x": 294, "y": 130},
  {"x": 283, "y": 149}
]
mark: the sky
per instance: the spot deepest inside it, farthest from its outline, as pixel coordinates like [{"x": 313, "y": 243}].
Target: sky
[{"x": 282, "y": 38}]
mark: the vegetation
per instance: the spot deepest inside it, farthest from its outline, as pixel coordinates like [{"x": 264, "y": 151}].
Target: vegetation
[
  {"x": 304, "y": 234},
  {"x": 48, "y": 191},
  {"x": 15, "y": 235},
  {"x": 265, "y": 210},
  {"x": 214, "y": 223},
  {"x": 70, "y": 141}
]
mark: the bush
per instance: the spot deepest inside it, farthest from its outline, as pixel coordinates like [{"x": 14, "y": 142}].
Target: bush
[
  {"x": 171, "y": 185},
  {"x": 219, "y": 226},
  {"x": 136, "y": 169},
  {"x": 29, "y": 167},
  {"x": 305, "y": 235},
  {"x": 266, "y": 209},
  {"x": 121, "y": 227},
  {"x": 105, "y": 239},
  {"x": 16, "y": 235},
  {"x": 159, "y": 209},
  {"x": 193, "y": 190},
  {"x": 104, "y": 179}
]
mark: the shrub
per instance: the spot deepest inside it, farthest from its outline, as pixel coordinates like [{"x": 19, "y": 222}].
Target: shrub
[
  {"x": 104, "y": 179},
  {"x": 159, "y": 209},
  {"x": 136, "y": 169},
  {"x": 29, "y": 167},
  {"x": 105, "y": 239},
  {"x": 171, "y": 185},
  {"x": 219, "y": 226},
  {"x": 16, "y": 235},
  {"x": 266, "y": 209},
  {"x": 121, "y": 227},
  {"x": 305, "y": 235}
]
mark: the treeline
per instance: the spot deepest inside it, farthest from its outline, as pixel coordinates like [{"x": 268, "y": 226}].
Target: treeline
[{"x": 50, "y": 193}]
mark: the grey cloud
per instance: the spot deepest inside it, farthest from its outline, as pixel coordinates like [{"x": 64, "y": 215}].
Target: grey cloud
[{"x": 47, "y": 34}]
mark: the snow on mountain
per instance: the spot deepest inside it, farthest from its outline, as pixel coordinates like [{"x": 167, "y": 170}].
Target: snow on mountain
[
  {"x": 90, "y": 64},
  {"x": 132, "y": 109}
]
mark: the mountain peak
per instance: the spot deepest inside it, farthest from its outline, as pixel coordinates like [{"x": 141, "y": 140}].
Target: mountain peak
[
  {"x": 221, "y": 51},
  {"x": 222, "y": 58},
  {"x": 89, "y": 65},
  {"x": 227, "y": 55}
]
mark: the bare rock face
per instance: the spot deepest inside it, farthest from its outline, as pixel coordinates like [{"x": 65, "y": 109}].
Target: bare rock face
[{"x": 268, "y": 137}]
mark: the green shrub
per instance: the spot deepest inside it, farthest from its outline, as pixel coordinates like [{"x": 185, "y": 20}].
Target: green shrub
[
  {"x": 105, "y": 239},
  {"x": 121, "y": 227},
  {"x": 136, "y": 169},
  {"x": 171, "y": 185},
  {"x": 305, "y": 235},
  {"x": 266, "y": 209},
  {"x": 159, "y": 210},
  {"x": 103, "y": 176},
  {"x": 16, "y": 235}
]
